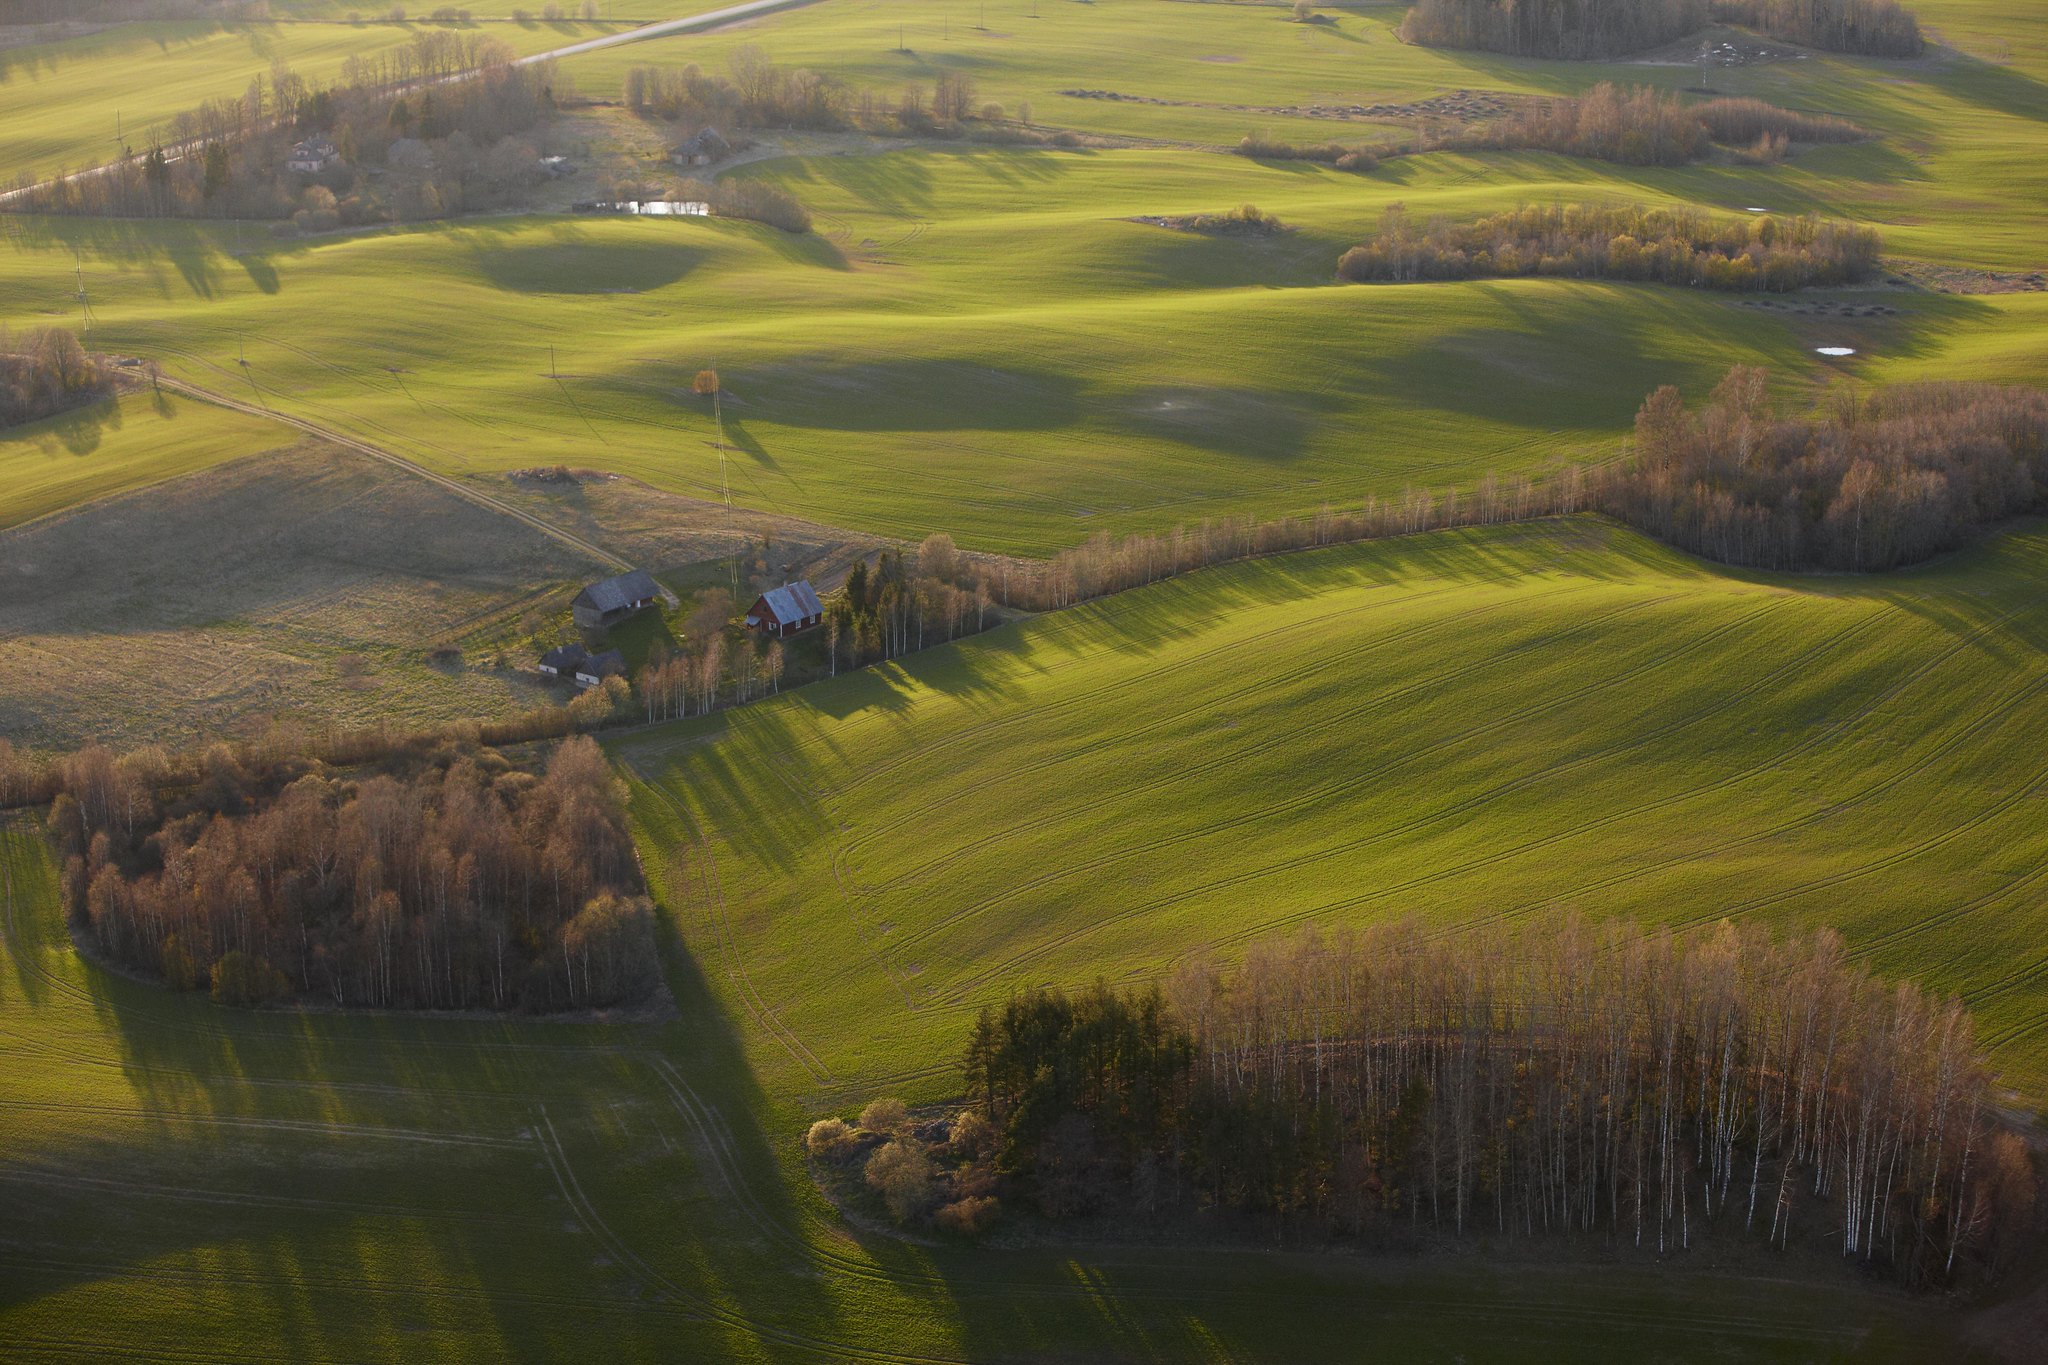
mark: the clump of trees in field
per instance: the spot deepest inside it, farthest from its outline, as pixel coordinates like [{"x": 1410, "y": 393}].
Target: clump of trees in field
[
  {"x": 1639, "y": 126},
  {"x": 1260, "y": 147},
  {"x": 1644, "y": 126},
  {"x": 1873, "y": 28},
  {"x": 1578, "y": 29},
  {"x": 439, "y": 146},
  {"x": 1638, "y": 1089},
  {"x": 449, "y": 879},
  {"x": 1679, "y": 246},
  {"x": 44, "y": 372},
  {"x": 1868, "y": 483},
  {"x": 1553, "y": 28},
  {"x": 901, "y": 605},
  {"x": 755, "y": 92}
]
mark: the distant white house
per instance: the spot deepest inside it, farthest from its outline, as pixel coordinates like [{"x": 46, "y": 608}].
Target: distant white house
[
  {"x": 312, "y": 156},
  {"x": 563, "y": 660}
]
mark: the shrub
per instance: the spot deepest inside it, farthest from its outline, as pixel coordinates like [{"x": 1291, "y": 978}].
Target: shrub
[
  {"x": 971, "y": 1134},
  {"x": 886, "y": 1117},
  {"x": 240, "y": 979},
  {"x": 44, "y": 373},
  {"x": 830, "y": 1140},
  {"x": 902, "y": 1174},
  {"x": 1741, "y": 121},
  {"x": 969, "y": 1217}
]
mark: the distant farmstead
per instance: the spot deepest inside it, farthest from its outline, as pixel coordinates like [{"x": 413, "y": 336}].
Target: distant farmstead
[
  {"x": 312, "y": 156},
  {"x": 613, "y": 599},
  {"x": 701, "y": 149},
  {"x": 786, "y": 610}
]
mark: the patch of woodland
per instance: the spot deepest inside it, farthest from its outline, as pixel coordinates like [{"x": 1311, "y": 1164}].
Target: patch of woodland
[
  {"x": 1677, "y": 246},
  {"x": 45, "y": 372},
  {"x": 755, "y": 93},
  {"x": 1634, "y": 1090},
  {"x": 1246, "y": 220},
  {"x": 1639, "y": 126},
  {"x": 1344, "y": 157},
  {"x": 445, "y": 876},
  {"x": 412, "y": 140},
  {"x": 1869, "y": 482},
  {"x": 1585, "y": 29}
]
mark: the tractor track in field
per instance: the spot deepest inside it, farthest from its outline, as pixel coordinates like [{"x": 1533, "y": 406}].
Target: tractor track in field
[
  {"x": 1305, "y": 798},
  {"x": 461, "y": 490},
  {"x": 1233, "y": 756},
  {"x": 1811, "y": 742},
  {"x": 1358, "y": 778},
  {"x": 1267, "y": 927},
  {"x": 728, "y": 942},
  {"x": 964, "y": 986}
]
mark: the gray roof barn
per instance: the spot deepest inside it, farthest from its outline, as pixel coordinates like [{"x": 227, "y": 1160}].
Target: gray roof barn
[
  {"x": 563, "y": 659},
  {"x": 607, "y": 600},
  {"x": 598, "y": 667},
  {"x": 700, "y": 148}
]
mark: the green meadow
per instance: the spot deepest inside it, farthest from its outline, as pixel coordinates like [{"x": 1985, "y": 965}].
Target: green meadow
[
  {"x": 1953, "y": 174},
  {"x": 976, "y": 341},
  {"x": 118, "y": 446},
  {"x": 1457, "y": 726},
  {"x": 63, "y": 103},
  {"x": 1490, "y": 726}
]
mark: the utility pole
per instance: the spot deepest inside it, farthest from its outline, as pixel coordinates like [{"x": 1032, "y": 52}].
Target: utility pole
[
  {"x": 551, "y": 361},
  {"x": 84, "y": 305}
]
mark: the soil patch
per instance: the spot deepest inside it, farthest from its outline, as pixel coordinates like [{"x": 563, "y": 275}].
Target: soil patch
[
  {"x": 310, "y": 581},
  {"x": 1958, "y": 279}
]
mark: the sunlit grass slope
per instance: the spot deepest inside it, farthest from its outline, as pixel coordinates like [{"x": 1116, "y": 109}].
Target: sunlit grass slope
[
  {"x": 62, "y": 103},
  {"x": 229, "y": 1185},
  {"x": 1956, "y": 173},
  {"x": 975, "y": 341},
  {"x": 122, "y": 444},
  {"x": 1497, "y": 726}
]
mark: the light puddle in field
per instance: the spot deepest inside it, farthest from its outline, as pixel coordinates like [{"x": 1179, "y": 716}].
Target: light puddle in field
[{"x": 1834, "y": 350}]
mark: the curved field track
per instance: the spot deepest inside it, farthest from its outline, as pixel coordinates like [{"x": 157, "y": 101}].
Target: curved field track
[
  {"x": 184, "y": 1181},
  {"x": 1499, "y": 725}
]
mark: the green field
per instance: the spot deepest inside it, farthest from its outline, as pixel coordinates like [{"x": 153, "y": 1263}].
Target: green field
[
  {"x": 978, "y": 343},
  {"x": 120, "y": 445},
  {"x": 62, "y": 103},
  {"x": 1466, "y": 724},
  {"x": 1953, "y": 176},
  {"x": 1477, "y": 727}
]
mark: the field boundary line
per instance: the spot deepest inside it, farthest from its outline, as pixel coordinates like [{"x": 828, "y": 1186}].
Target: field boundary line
[{"x": 452, "y": 485}]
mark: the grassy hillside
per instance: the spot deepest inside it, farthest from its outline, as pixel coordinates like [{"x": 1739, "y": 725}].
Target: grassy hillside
[
  {"x": 977, "y": 342},
  {"x": 119, "y": 445},
  {"x": 350, "y": 1188},
  {"x": 1954, "y": 175},
  {"x": 1480, "y": 727},
  {"x": 61, "y": 103}
]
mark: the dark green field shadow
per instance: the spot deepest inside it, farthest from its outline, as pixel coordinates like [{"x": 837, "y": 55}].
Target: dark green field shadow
[{"x": 1989, "y": 85}]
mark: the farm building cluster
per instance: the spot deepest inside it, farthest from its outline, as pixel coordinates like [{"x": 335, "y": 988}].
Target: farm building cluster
[{"x": 778, "y": 613}]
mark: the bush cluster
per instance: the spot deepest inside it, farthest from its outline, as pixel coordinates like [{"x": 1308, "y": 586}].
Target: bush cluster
[
  {"x": 45, "y": 372},
  {"x": 1868, "y": 484},
  {"x": 1679, "y": 246}
]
